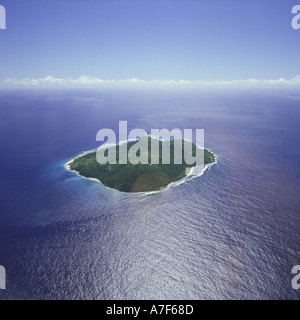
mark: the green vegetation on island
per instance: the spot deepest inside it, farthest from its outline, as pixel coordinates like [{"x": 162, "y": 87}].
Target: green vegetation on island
[{"x": 140, "y": 177}]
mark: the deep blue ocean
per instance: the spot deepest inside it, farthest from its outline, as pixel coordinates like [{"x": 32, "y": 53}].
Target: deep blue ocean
[{"x": 233, "y": 233}]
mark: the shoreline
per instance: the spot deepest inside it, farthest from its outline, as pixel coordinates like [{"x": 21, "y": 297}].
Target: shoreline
[{"x": 188, "y": 177}]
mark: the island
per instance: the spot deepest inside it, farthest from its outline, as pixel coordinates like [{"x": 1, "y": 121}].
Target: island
[{"x": 137, "y": 177}]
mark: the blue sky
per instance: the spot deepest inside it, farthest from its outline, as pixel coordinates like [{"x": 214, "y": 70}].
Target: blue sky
[{"x": 204, "y": 40}]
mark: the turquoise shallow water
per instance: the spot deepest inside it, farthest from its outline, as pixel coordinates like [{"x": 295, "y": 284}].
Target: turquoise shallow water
[{"x": 232, "y": 233}]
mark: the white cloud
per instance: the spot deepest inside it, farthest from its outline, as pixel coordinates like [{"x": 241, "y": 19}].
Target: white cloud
[{"x": 84, "y": 81}]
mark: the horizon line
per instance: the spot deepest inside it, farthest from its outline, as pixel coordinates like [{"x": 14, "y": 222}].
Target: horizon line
[{"x": 86, "y": 81}]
